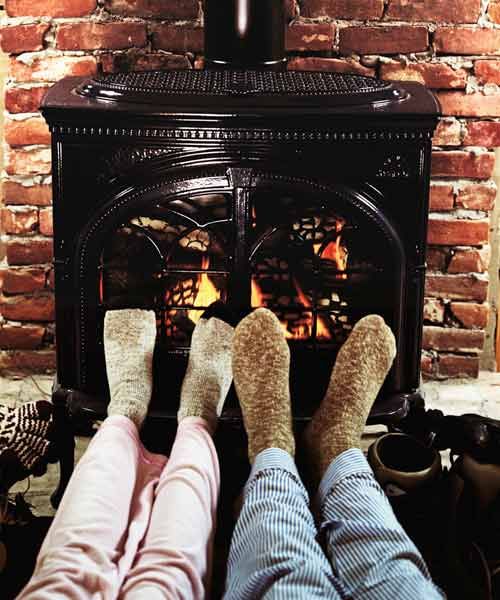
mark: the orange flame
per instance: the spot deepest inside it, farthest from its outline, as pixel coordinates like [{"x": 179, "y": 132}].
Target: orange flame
[
  {"x": 322, "y": 331},
  {"x": 303, "y": 331},
  {"x": 207, "y": 292}
]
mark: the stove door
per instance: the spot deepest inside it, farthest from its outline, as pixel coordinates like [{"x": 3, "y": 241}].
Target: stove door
[{"x": 319, "y": 256}]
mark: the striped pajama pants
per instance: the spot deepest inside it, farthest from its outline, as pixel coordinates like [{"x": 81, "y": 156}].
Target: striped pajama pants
[{"x": 357, "y": 548}]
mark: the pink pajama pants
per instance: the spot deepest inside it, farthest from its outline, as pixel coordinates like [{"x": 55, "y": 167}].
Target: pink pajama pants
[{"x": 131, "y": 524}]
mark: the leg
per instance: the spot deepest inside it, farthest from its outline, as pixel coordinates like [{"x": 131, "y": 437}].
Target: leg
[
  {"x": 175, "y": 558},
  {"x": 274, "y": 552},
  {"x": 367, "y": 547},
  {"x": 87, "y": 550}
]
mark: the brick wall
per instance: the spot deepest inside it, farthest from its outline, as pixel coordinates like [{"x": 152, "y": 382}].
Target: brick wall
[{"x": 452, "y": 46}]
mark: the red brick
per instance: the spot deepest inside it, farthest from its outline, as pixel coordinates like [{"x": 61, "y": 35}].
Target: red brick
[
  {"x": 14, "y": 362},
  {"x": 28, "y": 308},
  {"x": 50, "y": 8},
  {"x": 487, "y": 71},
  {"x": 469, "y": 261},
  {"x": 51, "y": 280},
  {"x": 427, "y": 364},
  {"x": 19, "y": 221},
  {"x": 435, "y": 11},
  {"x": 463, "y": 164},
  {"x": 433, "y": 75},
  {"x": 98, "y": 36},
  {"x": 483, "y": 133},
  {"x": 477, "y": 196},
  {"x": 452, "y": 340},
  {"x": 441, "y": 197},
  {"x": 52, "y": 68},
  {"x": 469, "y": 105},
  {"x": 28, "y": 337},
  {"x": 178, "y": 39},
  {"x": 458, "y": 232},
  {"x": 436, "y": 259},
  {"x": 456, "y": 365},
  {"x": 46, "y": 227},
  {"x": 336, "y": 65},
  {"x": 26, "y": 132},
  {"x": 16, "y": 193},
  {"x": 310, "y": 37},
  {"x": 23, "y": 38},
  {"x": 24, "y": 100},
  {"x": 494, "y": 11},
  {"x": 448, "y": 133},
  {"x": 456, "y": 287},
  {"x": 344, "y": 9},
  {"x": 29, "y": 252},
  {"x": 471, "y": 315},
  {"x": 24, "y": 281},
  {"x": 433, "y": 310},
  {"x": 464, "y": 40},
  {"x": 171, "y": 9},
  {"x": 133, "y": 61},
  {"x": 383, "y": 40},
  {"x": 29, "y": 162}
]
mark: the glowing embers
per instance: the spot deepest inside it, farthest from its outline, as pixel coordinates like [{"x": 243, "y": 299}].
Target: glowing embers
[{"x": 303, "y": 282}]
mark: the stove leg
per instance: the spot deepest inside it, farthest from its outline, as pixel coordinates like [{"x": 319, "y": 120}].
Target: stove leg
[{"x": 65, "y": 443}]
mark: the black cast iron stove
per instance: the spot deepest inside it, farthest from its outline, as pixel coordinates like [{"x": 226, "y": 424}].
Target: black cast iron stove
[{"x": 305, "y": 192}]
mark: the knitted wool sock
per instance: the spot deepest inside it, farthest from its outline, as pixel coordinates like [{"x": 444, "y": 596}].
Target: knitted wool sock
[
  {"x": 129, "y": 341},
  {"x": 360, "y": 370},
  {"x": 261, "y": 368},
  {"x": 209, "y": 374}
]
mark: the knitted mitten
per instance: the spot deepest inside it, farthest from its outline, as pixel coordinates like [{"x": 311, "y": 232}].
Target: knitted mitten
[
  {"x": 261, "y": 366},
  {"x": 25, "y": 440}
]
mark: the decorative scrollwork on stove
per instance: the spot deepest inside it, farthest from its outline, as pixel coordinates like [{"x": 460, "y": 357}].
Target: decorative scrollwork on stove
[
  {"x": 125, "y": 157},
  {"x": 394, "y": 166}
]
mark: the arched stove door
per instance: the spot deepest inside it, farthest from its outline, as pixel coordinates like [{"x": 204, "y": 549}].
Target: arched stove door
[{"x": 320, "y": 256}]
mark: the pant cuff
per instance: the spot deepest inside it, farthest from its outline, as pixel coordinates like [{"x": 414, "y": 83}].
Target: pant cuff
[
  {"x": 350, "y": 462},
  {"x": 273, "y": 458}
]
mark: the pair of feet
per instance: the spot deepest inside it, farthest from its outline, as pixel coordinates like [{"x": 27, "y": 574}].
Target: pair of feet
[{"x": 257, "y": 356}]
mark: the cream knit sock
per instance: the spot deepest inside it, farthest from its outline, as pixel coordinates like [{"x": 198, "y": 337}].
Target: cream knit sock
[
  {"x": 129, "y": 341},
  {"x": 261, "y": 369},
  {"x": 360, "y": 370},
  {"x": 209, "y": 374}
]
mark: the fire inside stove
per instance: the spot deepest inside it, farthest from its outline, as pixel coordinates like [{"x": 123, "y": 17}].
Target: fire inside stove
[{"x": 304, "y": 270}]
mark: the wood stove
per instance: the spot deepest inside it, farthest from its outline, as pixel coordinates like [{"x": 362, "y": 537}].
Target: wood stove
[{"x": 304, "y": 192}]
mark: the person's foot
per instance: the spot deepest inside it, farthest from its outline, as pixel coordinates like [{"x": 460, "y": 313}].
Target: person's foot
[
  {"x": 129, "y": 341},
  {"x": 360, "y": 370},
  {"x": 209, "y": 373},
  {"x": 261, "y": 366}
]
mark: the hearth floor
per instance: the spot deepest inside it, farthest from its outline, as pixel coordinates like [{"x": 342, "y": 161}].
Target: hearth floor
[{"x": 481, "y": 396}]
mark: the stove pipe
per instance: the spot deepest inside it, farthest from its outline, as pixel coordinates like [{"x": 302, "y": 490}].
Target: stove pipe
[{"x": 245, "y": 34}]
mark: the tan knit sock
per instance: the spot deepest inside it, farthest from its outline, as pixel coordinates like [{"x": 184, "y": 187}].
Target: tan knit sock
[
  {"x": 209, "y": 374},
  {"x": 261, "y": 369},
  {"x": 360, "y": 370},
  {"x": 129, "y": 341}
]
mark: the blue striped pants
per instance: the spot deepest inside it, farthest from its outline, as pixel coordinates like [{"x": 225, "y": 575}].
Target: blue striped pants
[{"x": 357, "y": 550}]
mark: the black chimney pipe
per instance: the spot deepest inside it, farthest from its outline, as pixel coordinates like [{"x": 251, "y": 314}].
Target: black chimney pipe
[{"x": 245, "y": 34}]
